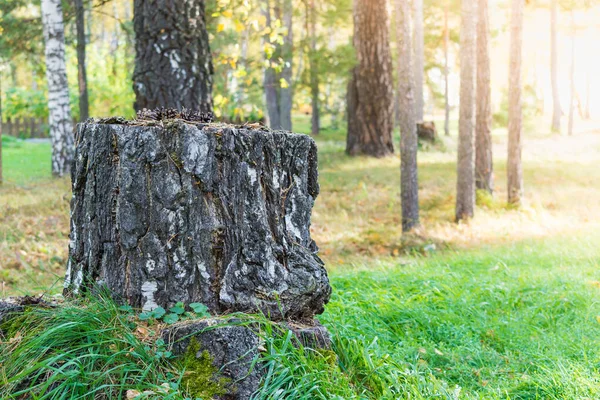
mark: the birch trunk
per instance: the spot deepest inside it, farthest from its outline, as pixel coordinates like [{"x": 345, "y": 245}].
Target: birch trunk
[
  {"x": 465, "y": 186},
  {"x": 515, "y": 117},
  {"x": 484, "y": 167},
  {"x": 61, "y": 128},
  {"x": 173, "y": 66},
  {"x": 409, "y": 186}
]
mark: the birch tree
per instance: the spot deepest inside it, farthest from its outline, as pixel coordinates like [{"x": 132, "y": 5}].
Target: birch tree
[
  {"x": 465, "y": 186},
  {"x": 61, "y": 127}
]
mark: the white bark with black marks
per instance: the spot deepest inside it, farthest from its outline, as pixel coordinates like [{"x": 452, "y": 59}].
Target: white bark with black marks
[
  {"x": 61, "y": 126},
  {"x": 203, "y": 213}
]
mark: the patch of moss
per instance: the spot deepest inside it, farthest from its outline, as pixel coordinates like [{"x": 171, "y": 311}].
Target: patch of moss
[{"x": 201, "y": 379}]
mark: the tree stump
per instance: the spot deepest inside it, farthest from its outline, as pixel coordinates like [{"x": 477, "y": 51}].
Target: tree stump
[
  {"x": 172, "y": 211},
  {"x": 426, "y": 131}
]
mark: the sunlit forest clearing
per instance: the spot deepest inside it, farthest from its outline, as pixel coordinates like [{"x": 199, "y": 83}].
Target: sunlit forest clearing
[{"x": 163, "y": 236}]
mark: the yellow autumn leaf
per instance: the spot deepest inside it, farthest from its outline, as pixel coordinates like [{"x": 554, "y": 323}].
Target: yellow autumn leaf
[
  {"x": 284, "y": 84},
  {"x": 220, "y": 27},
  {"x": 239, "y": 26},
  {"x": 227, "y": 13}
]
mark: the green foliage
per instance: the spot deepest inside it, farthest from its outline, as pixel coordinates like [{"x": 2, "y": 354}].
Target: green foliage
[{"x": 23, "y": 103}]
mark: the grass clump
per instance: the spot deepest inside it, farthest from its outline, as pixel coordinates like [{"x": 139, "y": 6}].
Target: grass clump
[{"x": 82, "y": 350}]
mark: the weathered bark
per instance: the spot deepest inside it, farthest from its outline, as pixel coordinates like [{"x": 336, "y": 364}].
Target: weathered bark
[
  {"x": 556, "y": 109},
  {"x": 572, "y": 77},
  {"x": 446, "y": 73},
  {"x": 197, "y": 213},
  {"x": 173, "y": 64},
  {"x": 287, "y": 55},
  {"x": 484, "y": 167},
  {"x": 419, "y": 51},
  {"x": 515, "y": 117},
  {"x": 465, "y": 186},
  {"x": 370, "y": 126},
  {"x": 84, "y": 108},
  {"x": 271, "y": 83},
  {"x": 61, "y": 128},
  {"x": 409, "y": 185},
  {"x": 315, "y": 120}
]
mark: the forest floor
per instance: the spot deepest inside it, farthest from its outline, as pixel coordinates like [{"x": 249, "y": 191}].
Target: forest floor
[{"x": 505, "y": 306}]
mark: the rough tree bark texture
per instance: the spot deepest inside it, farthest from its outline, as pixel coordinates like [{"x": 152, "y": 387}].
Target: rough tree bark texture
[
  {"x": 409, "y": 186},
  {"x": 371, "y": 98},
  {"x": 465, "y": 186},
  {"x": 271, "y": 83},
  {"x": 484, "y": 167},
  {"x": 173, "y": 64},
  {"x": 197, "y": 213},
  {"x": 287, "y": 54},
  {"x": 419, "y": 51},
  {"x": 61, "y": 127},
  {"x": 84, "y": 109},
  {"x": 315, "y": 120},
  {"x": 446, "y": 72},
  {"x": 556, "y": 109},
  {"x": 515, "y": 119}
]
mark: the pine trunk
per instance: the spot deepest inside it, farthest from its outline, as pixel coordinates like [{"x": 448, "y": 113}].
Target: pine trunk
[
  {"x": 173, "y": 66},
  {"x": 84, "y": 109},
  {"x": 446, "y": 72},
  {"x": 515, "y": 117},
  {"x": 484, "y": 167},
  {"x": 370, "y": 126},
  {"x": 465, "y": 187},
  {"x": 572, "y": 76},
  {"x": 556, "y": 109},
  {"x": 314, "y": 70},
  {"x": 287, "y": 54},
  {"x": 419, "y": 51},
  {"x": 409, "y": 186},
  {"x": 271, "y": 83},
  {"x": 209, "y": 213},
  {"x": 61, "y": 128}
]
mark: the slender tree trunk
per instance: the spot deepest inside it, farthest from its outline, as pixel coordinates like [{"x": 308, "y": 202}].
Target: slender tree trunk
[
  {"x": 287, "y": 54},
  {"x": 271, "y": 83},
  {"x": 419, "y": 51},
  {"x": 484, "y": 167},
  {"x": 409, "y": 186},
  {"x": 446, "y": 71},
  {"x": 1, "y": 178},
  {"x": 465, "y": 187},
  {"x": 61, "y": 129},
  {"x": 556, "y": 109},
  {"x": 572, "y": 76},
  {"x": 515, "y": 117},
  {"x": 370, "y": 126},
  {"x": 314, "y": 69},
  {"x": 84, "y": 111},
  {"x": 173, "y": 66}
]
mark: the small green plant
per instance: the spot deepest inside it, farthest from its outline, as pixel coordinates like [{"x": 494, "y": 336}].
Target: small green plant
[{"x": 175, "y": 314}]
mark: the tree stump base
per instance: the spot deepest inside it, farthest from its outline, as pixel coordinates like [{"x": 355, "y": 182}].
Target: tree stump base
[
  {"x": 172, "y": 211},
  {"x": 427, "y": 132}
]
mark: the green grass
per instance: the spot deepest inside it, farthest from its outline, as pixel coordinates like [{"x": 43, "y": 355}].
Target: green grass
[
  {"x": 24, "y": 162},
  {"x": 504, "y": 307}
]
